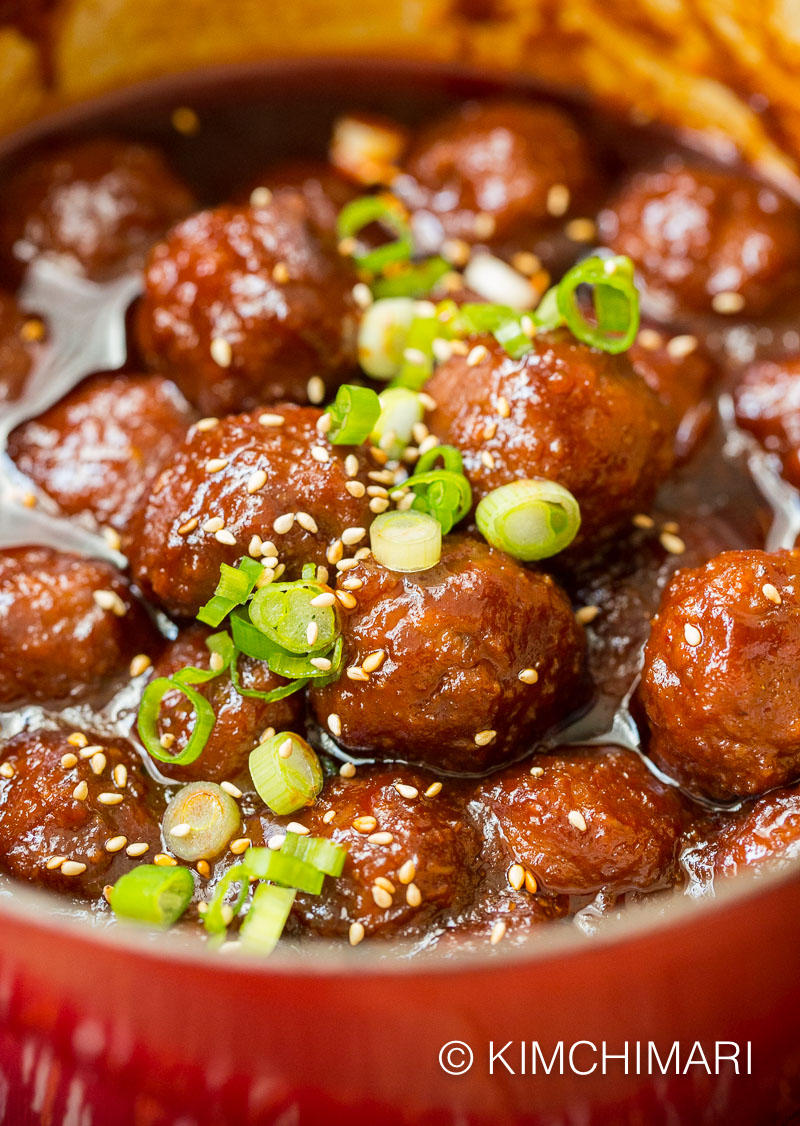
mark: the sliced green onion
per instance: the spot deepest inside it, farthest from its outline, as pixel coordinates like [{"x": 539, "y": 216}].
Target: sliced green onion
[
  {"x": 219, "y": 643},
  {"x": 451, "y": 460},
  {"x": 320, "y": 852},
  {"x": 387, "y": 211},
  {"x": 416, "y": 281},
  {"x": 382, "y": 336},
  {"x": 353, "y": 413},
  {"x": 152, "y": 894},
  {"x": 284, "y": 613},
  {"x": 253, "y": 643},
  {"x": 417, "y": 366},
  {"x": 529, "y": 519},
  {"x": 616, "y": 303},
  {"x": 547, "y": 316},
  {"x": 199, "y": 821},
  {"x": 503, "y": 322},
  {"x": 446, "y": 496},
  {"x": 401, "y": 410},
  {"x": 279, "y": 693},
  {"x": 264, "y": 922},
  {"x": 234, "y": 587},
  {"x": 147, "y": 721},
  {"x": 289, "y": 871},
  {"x": 220, "y": 913},
  {"x": 286, "y": 772},
  {"x": 406, "y": 541}
]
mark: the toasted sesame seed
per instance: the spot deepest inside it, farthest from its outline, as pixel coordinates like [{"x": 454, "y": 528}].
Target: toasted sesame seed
[
  {"x": 240, "y": 845},
  {"x": 414, "y": 356},
  {"x": 537, "y": 771},
  {"x": 189, "y": 526},
  {"x": 257, "y": 481},
  {"x": 109, "y": 799},
  {"x": 110, "y": 600},
  {"x": 727, "y": 303},
  {"x": 32, "y": 331},
  {"x": 216, "y": 464},
  {"x": 286, "y": 748},
  {"x": 296, "y": 827},
  {"x": 140, "y": 663},
  {"x": 335, "y": 552},
  {"x": 365, "y": 824},
  {"x": 489, "y": 430},
  {"x": 55, "y": 862},
  {"x": 167, "y": 740},
  {"x": 327, "y": 598},
  {"x": 487, "y": 459},
  {"x": 649, "y": 339},
  {"x": 347, "y": 770},
  {"x": 671, "y": 526},
  {"x": 254, "y": 547},
  {"x": 386, "y": 884},
  {"x": 362, "y": 295},
  {"x": 526, "y": 263},
  {"x": 516, "y": 876},
  {"x": 558, "y": 197},
  {"x": 138, "y": 849},
  {"x": 498, "y": 932},
  {"x": 642, "y": 520},
  {"x": 276, "y": 842},
  {"x": 328, "y": 816},
  {"x": 283, "y": 524},
  {"x": 381, "y": 896},
  {"x": 98, "y": 763},
  {"x": 214, "y": 524},
  {"x": 413, "y": 895},
  {"x": 321, "y": 663},
  {"x": 229, "y": 788},
  {"x": 260, "y": 197},
  {"x": 81, "y": 791},
  {"x": 355, "y": 934},
  {"x": 267, "y": 733},
  {"x": 576, "y": 819},
  {"x": 269, "y": 549},
  {"x": 772, "y": 593},
  {"x": 351, "y": 465},
  {"x": 456, "y": 250},
  {"x": 163, "y": 860},
  {"x": 221, "y": 352},
  {"x": 354, "y": 535},
  {"x": 529, "y": 676},
  {"x": 362, "y": 553},
  {"x": 77, "y": 739},
  {"x": 442, "y": 349},
  {"x": 586, "y": 614},
  {"x": 182, "y": 830},
  {"x": 87, "y": 751},
  {"x": 204, "y": 870},
  {"x": 72, "y": 868},
  {"x": 347, "y": 600},
  {"x": 434, "y": 789},
  {"x": 322, "y": 575},
  {"x": 373, "y": 661},
  {"x": 679, "y": 347},
  {"x": 315, "y": 389},
  {"x": 378, "y": 505},
  {"x": 335, "y": 724},
  {"x": 185, "y": 121},
  {"x": 226, "y": 537},
  {"x": 484, "y": 225},
  {"x": 112, "y": 539},
  {"x": 355, "y": 489},
  {"x": 268, "y": 419},
  {"x": 692, "y": 634},
  {"x": 320, "y": 454},
  {"x": 324, "y": 423},
  {"x": 383, "y": 476},
  {"x": 476, "y": 354},
  {"x": 67, "y": 761},
  {"x": 483, "y": 738},
  {"x": 307, "y": 522},
  {"x": 672, "y": 543},
  {"x": 120, "y": 775},
  {"x": 206, "y": 424},
  {"x": 353, "y": 583},
  {"x": 380, "y": 838},
  {"x": 347, "y": 564},
  {"x": 530, "y": 882},
  {"x": 216, "y": 662},
  {"x": 116, "y": 844},
  {"x": 407, "y": 872},
  {"x": 356, "y": 672},
  {"x": 280, "y": 273}
]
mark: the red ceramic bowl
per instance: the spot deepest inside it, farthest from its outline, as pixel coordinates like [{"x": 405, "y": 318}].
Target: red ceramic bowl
[{"x": 105, "y": 1026}]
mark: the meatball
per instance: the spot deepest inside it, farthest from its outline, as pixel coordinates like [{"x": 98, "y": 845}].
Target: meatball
[
  {"x": 323, "y": 190},
  {"x": 706, "y": 240},
  {"x": 97, "y": 451},
  {"x": 240, "y": 720},
  {"x": 68, "y": 626},
  {"x": 19, "y": 339},
  {"x": 499, "y": 169},
  {"x": 66, "y": 820},
  {"x": 764, "y": 831},
  {"x": 396, "y": 885},
  {"x": 720, "y": 677},
  {"x": 96, "y": 206},
  {"x": 681, "y": 372},
  {"x": 563, "y": 411},
  {"x": 768, "y": 406},
  {"x": 244, "y": 306},
  {"x": 476, "y": 659},
  {"x": 234, "y": 481},
  {"x": 582, "y": 819}
]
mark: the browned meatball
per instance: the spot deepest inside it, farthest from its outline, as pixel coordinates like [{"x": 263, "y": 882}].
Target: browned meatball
[
  {"x": 240, "y": 720},
  {"x": 768, "y": 405},
  {"x": 323, "y": 190},
  {"x": 66, "y": 820},
  {"x": 563, "y": 411},
  {"x": 19, "y": 339},
  {"x": 489, "y": 171},
  {"x": 453, "y": 641},
  {"x": 589, "y": 818},
  {"x": 429, "y": 862},
  {"x": 243, "y": 306},
  {"x": 247, "y": 472},
  {"x": 720, "y": 676},
  {"x": 96, "y": 206},
  {"x": 763, "y": 832},
  {"x": 68, "y": 626},
  {"x": 681, "y": 372},
  {"x": 706, "y": 240},
  {"x": 98, "y": 450}
]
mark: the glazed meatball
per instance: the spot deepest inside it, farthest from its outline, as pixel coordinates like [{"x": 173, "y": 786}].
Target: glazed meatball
[
  {"x": 240, "y": 720},
  {"x": 586, "y": 819},
  {"x": 244, "y": 306},
  {"x": 20, "y": 336},
  {"x": 768, "y": 405},
  {"x": 450, "y": 645},
  {"x": 764, "y": 831},
  {"x": 323, "y": 190},
  {"x": 234, "y": 481},
  {"x": 429, "y": 862},
  {"x": 720, "y": 677},
  {"x": 66, "y": 820},
  {"x": 706, "y": 240},
  {"x": 95, "y": 206},
  {"x": 498, "y": 169},
  {"x": 563, "y": 411},
  {"x": 681, "y": 372},
  {"x": 97, "y": 451},
  {"x": 68, "y": 627}
]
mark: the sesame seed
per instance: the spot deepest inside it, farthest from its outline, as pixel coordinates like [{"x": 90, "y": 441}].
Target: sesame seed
[
  {"x": 489, "y": 430},
  {"x": 378, "y": 505},
  {"x": 679, "y": 347},
  {"x": 109, "y": 799},
  {"x": 456, "y": 250},
  {"x": 216, "y": 464},
  {"x": 476, "y": 354},
  {"x": 356, "y": 672},
  {"x": 229, "y": 788},
  {"x": 530, "y": 883},
  {"x": 255, "y": 546},
  {"x": 120, "y": 775},
  {"x": 268, "y": 548},
  {"x": 335, "y": 725},
  {"x": 32, "y": 331},
  {"x": 384, "y": 476},
  {"x": 319, "y": 453},
  {"x": 365, "y": 824},
  {"x": 322, "y": 575},
  {"x": 692, "y": 634},
  {"x": 72, "y": 868},
  {"x": 206, "y": 424},
  {"x": 116, "y": 844},
  {"x": 321, "y": 663},
  {"x": 81, "y": 791},
  {"x": 185, "y": 121},
  {"x": 98, "y": 763},
  {"x": 373, "y": 661},
  {"x": 487, "y": 460},
  {"x": 381, "y": 896},
  {"x": 182, "y": 830},
  {"x": 347, "y": 564},
  {"x": 7, "y": 770},
  {"x": 240, "y": 845},
  {"x": 353, "y": 535},
  {"x": 112, "y": 538},
  {"x": 380, "y": 838},
  {"x": 577, "y": 820},
  {"x": 386, "y": 884},
  {"x": 280, "y": 273},
  {"x": 110, "y": 600},
  {"x": 296, "y": 827},
  {"x": 163, "y": 860},
  {"x": 138, "y": 849},
  {"x": 328, "y": 816},
  {"x": 214, "y": 524},
  {"x": 526, "y": 263},
  {"x": 55, "y": 862},
  {"x": 442, "y": 350},
  {"x": 434, "y": 789},
  {"x": 498, "y": 932},
  {"x": 216, "y": 662},
  {"x": 537, "y": 771},
  {"x": 483, "y": 738},
  {"x": 581, "y": 230},
  {"x": 327, "y": 598},
  {"x": 276, "y": 842},
  {"x": 347, "y": 770},
  {"x": 67, "y": 762},
  {"x": 529, "y": 676},
  {"x": 335, "y": 552},
  {"x": 189, "y": 526},
  {"x": 315, "y": 389},
  {"x": 283, "y": 524},
  {"x": 140, "y": 663},
  {"x": 351, "y": 583},
  {"x": 307, "y": 522},
  {"x": 558, "y": 197},
  {"x": 406, "y": 791},
  {"x": 484, "y": 225},
  {"x": 355, "y": 489},
  {"x": 671, "y": 526},
  {"x": 260, "y": 197},
  {"x": 268, "y": 419},
  {"x": 362, "y": 553},
  {"x": 516, "y": 876},
  {"x": 221, "y": 352},
  {"x": 414, "y": 356},
  {"x": 351, "y": 465},
  {"x": 286, "y": 748},
  {"x": 407, "y": 872},
  {"x": 267, "y": 733},
  {"x": 771, "y": 592},
  {"x": 672, "y": 543},
  {"x": 77, "y": 739},
  {"x": 362, "y": 295},
  {"x": 586, "y": 614},
  {"x": 642, "y": 520},
  {"x": 649, "y": 339},
  {"x": 204, "y": 870},
  {"x": 257, "y": 481},
  {"x": 355, "y": 934},
  {"x": 87, "y": 751},
  {"x": 226, "y": 537},
  {"x": 413, "y": 895},
  {"x": 727, "y": 303}
]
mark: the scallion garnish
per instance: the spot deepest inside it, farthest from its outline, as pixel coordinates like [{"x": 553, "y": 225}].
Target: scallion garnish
[
  {"x": 406, "y": 541},
  {"x": 286, "y": 772},
  {"x": 616, "y": 303},
  {"x": 389, "y": 212},
  {"x": 401, "y": 410},
  {"x": 252, "y": 642},
  {"x": 417, "y": 281},
  {"x": 282, "y": 868},
  {"x": 234, "y": 587},
  {"x": 382, "y": 335},
  {"x": 529, "y": 519},
  {"x": 353, "y": 413},
  {"x": 320, "y": 852},
  {"x": 505, "y": 325},
  {"x": 417, "y": 366},
  {"x": 220, "y": 913},
  {"x": 264, "y": 922},
  {"x": 150, "y": 709},
  {"x": 285, "y": 614},
  {"x": 199, "y": 821},
  {"x": 219, "y": 644},
  {"x": 152, "y": 894}
]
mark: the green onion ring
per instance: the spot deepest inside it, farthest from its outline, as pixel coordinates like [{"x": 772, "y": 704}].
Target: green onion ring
[
  {"x": 152, "y": 894},
  {"x": 359, "y": 213},
  {"x": 353, "y": 413},
  {"x": 616, "y": 303},
  {"x": 417, "y": 281},
  {"x": 147, "y": 721},
  {"x": 264, "y": 922},
  {"x": 214, "y": 918},
  {"x": 284, "y": 869},
  {"x": 529, "y": 519}
]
